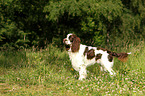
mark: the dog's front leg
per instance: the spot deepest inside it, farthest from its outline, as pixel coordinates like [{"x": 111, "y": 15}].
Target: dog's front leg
[{"x": 82, "y": 72}]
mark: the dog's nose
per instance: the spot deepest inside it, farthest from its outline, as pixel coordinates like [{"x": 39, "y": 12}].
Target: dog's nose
[{"x": 64, "y": 40}]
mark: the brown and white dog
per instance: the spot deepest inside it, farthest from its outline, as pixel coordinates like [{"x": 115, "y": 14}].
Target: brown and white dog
[{"x": 82, "y": 56}]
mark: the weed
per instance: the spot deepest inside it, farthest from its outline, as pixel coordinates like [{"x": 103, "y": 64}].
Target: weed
[{"x": 49, "y": 72}]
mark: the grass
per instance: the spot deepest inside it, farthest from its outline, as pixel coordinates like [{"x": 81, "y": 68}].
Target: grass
[{"x": 49, "y": 72}]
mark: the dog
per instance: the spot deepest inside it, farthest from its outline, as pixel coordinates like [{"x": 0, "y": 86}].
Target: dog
[{"x": 82, "y": 56}]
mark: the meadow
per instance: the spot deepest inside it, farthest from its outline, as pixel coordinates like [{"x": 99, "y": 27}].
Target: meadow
[{"x": 48, "y": 72}]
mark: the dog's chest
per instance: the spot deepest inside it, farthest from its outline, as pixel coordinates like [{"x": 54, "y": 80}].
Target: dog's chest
[{"x": 76, "y": 60}]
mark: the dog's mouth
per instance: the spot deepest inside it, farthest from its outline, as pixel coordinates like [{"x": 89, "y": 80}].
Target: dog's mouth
[{"x": 67, "y": 47}]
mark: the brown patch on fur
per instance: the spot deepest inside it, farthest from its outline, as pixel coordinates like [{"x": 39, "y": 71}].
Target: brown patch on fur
[
  {"x": 104, "y": 49},
  {"x": 98, "y": 56},
  {"x": 98, "y": 48},
  {"x": 86, "y": 50},
  {"x": 90, "y": 54},
  {"x": 110, "y": 58},
  {"x": 75, "y": 43},
  {"x": 121, "y": 56}
]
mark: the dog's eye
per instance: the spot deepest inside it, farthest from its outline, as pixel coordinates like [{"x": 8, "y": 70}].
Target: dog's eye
[{"x": 71, "y": 38}]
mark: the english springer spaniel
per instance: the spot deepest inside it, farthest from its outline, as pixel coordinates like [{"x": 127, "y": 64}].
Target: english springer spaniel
[{"x": 82, "y": 56}]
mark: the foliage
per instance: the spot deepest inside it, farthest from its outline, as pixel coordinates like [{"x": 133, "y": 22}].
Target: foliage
[
  {"x": 11, "y": 35},
  {"x": 98, "y": 22},
  {"x": 102, "y": 21},
  {"x": 22, "y": 23}
]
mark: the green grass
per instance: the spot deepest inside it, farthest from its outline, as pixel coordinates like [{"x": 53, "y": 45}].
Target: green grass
[{"x": 49, "y": 72}]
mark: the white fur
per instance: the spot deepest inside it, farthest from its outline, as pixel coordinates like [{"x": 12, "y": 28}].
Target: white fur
[{"x": 80, "y": 62}]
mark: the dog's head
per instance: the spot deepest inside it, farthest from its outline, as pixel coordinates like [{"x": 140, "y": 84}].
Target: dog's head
[{"x": 72, "y": 42}]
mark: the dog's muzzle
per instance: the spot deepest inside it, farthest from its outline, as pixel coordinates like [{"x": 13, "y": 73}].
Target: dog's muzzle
[
  {"x": 67, "y": 46},
  {"x": 64, "y": 40}
]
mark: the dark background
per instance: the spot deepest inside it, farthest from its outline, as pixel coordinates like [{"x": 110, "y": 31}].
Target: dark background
[{"x": 106, "y": 23}]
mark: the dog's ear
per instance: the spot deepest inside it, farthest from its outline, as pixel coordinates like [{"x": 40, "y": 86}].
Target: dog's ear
[{"x": 75, "y": 44}]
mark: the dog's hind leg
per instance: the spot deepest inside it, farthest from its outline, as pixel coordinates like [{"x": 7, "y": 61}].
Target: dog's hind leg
[{"x": 108, "y": 67}]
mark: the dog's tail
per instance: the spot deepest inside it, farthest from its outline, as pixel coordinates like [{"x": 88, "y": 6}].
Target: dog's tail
[{"x": 121, "y": 56}]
